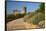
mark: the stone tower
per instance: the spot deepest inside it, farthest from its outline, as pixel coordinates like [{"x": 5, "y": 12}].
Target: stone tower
[{"x": 23, "y": 11}]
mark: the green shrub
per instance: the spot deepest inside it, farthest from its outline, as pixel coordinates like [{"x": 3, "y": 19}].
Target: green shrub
[{"x": 37, "y": 18}]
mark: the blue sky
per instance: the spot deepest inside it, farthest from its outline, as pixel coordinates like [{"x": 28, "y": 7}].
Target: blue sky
[{"x": 12, "y": 5}]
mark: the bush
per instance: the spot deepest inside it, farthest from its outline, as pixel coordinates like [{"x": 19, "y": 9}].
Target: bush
[
  {"x": 37, "y": 18},
  {"x": 10, "y": 18}
]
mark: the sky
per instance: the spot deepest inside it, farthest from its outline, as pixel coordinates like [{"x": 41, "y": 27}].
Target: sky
[{"x": 12, "y": 5}]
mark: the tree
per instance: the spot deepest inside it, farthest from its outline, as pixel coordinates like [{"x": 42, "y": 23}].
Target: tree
[{"x": 42, "y": 8}]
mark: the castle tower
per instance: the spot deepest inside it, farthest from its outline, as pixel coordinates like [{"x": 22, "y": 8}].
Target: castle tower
[{"x": 23, "y": 11}]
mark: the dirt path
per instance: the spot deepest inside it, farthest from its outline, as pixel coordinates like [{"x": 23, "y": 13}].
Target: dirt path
[{"x": 20, "y": 24}]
